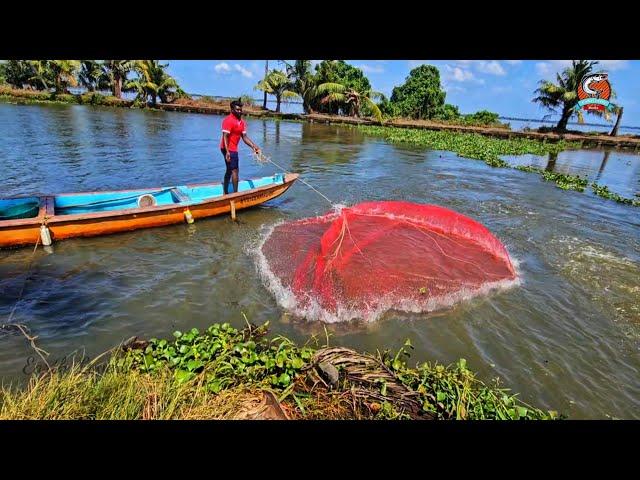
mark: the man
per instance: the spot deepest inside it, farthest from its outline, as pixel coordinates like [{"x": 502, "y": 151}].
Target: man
[{"x": 233, "y": 129}]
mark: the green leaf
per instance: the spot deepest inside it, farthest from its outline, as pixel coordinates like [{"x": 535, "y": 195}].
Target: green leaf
[
  {"x": 284, "y": 379},
  {"x": 522, "y": 412},
  {"x": 215, "y": 386},
  {"x": 440, "y": 396},
  {"x": 183, "y": 376},
  {"x": 194, "y": 365},
  {"x": 297, "y": 363}
]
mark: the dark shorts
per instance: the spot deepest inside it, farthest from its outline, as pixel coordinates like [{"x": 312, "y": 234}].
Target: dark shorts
[{"x": 233, "y": 164}]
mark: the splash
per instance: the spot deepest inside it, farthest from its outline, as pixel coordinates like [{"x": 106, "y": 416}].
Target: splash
[{"x": 361, "y": 261}]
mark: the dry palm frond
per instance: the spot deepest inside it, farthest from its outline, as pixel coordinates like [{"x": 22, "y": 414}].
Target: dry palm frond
[{"x": 370, "y": 380}]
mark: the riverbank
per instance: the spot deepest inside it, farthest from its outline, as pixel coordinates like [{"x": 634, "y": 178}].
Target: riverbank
[
  {"x": 225, "y": 373},
  {"x": 211, "y": 107}
]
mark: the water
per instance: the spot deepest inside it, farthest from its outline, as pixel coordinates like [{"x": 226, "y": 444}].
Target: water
[
  {"x": 603, "y": 128},
  {"x": 567, "y": 338}
]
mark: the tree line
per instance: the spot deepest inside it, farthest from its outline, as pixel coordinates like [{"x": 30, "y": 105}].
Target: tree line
[{"x": 147, "y": 78}]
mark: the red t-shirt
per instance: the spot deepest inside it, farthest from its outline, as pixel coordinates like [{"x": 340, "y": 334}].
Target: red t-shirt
[{"x": 235, "y": 128}]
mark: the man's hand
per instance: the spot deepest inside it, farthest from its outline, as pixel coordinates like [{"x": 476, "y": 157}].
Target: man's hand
[
  {"x": 256, "y": 149},
  {"x": 227, "y": 157}
]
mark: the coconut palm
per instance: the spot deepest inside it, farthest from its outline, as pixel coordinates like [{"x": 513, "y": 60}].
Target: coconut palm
[
  {"x": 41, "y": 75},
  {"x": 564, "y": 93},
  {"x": 117, "y": 71},
  {"x": 618, "y": 111},
  {"x": 350, "y": 99},
  {"x": 93, "y": 75},
  {"x": 17, "y": 72},
  {"x": 64, "y": 74},
  {"x": 303, "y": 82},
  {"x": 277, "y": 84},
  {"x": 153, "y": 81}
]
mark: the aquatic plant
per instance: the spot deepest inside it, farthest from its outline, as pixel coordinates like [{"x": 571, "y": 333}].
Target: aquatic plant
[{"x": 212, "y": 375}]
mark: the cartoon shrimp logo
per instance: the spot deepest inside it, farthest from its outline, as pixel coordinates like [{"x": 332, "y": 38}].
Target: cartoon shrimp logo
[{"x": 594, "y": 92}]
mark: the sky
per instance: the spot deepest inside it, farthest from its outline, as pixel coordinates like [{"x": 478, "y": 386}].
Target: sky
[{"x": 502, "y": 86}]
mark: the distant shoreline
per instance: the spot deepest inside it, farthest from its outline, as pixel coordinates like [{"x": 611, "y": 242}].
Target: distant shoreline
[{"x": 626, "y": 142}]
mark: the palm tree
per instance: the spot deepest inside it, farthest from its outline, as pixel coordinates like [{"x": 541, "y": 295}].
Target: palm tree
[
  {"x": 618, "y": 111},
  {"x": 564, "y": 93},
  {"x": 17, "y": 72},
  {"x": 41, "y": 75},
  {"x": 303, "y": 82},
  {"x": 154, "y": 82},
  {"x": 266, "y": 71},
  {"x": 277, "y": 84},
  {"x": 64, "y": 74},
  {"x": 350, "y": 99},
  {"x": 117, "y": 71},
  {"x": 91, "y": 74}
]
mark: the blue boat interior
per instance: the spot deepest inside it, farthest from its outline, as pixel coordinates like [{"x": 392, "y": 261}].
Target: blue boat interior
[
  {"x": 16, "y": 208},
  {"x": 179, "y": 195}
]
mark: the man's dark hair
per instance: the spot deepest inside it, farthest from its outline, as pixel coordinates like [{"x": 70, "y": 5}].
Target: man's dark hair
[{"x": 236, "y": 103}]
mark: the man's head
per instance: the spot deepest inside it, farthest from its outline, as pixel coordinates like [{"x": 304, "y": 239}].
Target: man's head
[{"x": 236, "y": 108}]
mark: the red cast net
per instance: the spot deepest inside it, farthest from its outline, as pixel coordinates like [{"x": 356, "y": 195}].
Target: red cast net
[{"x": 375, "y": 256}]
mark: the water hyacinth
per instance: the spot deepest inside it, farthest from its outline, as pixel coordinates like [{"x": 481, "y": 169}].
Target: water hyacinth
[{"x": 489, "y": 150}]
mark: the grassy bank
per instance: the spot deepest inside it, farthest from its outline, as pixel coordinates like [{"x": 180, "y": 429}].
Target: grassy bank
[
  {"x": 8, "y": 94},
  {"x": 489, "y": 150},
  {"x": 225, "y": 373}
]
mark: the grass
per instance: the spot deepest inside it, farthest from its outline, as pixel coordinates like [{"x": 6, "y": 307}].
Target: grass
[{"x": 225, "y": 373}]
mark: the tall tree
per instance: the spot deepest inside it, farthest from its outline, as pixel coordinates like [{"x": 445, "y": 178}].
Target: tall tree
[
  {"x": 277, "y": 84},
  {"x": 421, "y": 95},
  {"x": 118, "y": 71},
  {"x": 303, "y": 82},
  {"x": 153, "y": 81},
  {"x": 563, "y": 95}
]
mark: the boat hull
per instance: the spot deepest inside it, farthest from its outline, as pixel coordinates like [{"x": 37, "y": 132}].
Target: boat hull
[{"x": 23, "y": 232}]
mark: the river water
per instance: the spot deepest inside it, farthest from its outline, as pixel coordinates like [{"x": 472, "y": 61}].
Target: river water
[{"x": 566, "y": 338}]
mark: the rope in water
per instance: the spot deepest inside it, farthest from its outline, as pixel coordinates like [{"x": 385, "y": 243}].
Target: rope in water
[{"x": 261, "y": 158}]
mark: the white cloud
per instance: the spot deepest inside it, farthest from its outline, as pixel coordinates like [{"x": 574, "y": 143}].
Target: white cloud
[
  {"x": 458, "y": 74},
  {"x": 453, "y": 88},
  {"x": 370, "y": 68},
  {"x": 492, "y": 67},
  {"x": 613, "y": 64},
  {"x": 222, "y": 68},
  {"x": 245, "y": 73},
  {"x": 549, "y": 68},
  {"x": 513, "y": 62},
  {"x": 543, "y": 68}
]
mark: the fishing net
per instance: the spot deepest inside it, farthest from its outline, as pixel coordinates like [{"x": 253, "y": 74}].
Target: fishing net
[
  {"x": 363, "y": 260},
  {"x": 261, "y": 158}
]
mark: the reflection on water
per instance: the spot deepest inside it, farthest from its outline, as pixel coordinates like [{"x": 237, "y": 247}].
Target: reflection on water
[
  {"x": 566, "y": 339},
  {"x": 618, "y": 170}
]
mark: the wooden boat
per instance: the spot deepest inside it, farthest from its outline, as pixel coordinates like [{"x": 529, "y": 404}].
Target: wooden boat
[{"x": 27, "y": 220}]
